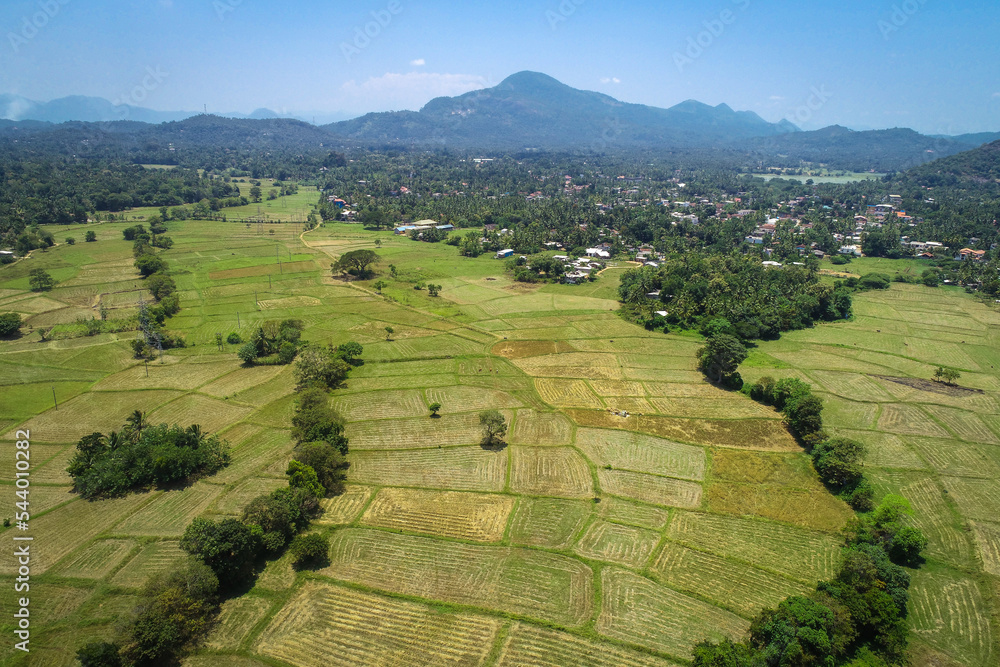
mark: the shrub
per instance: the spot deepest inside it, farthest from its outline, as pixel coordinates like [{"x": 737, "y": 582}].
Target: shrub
[
  {"x": 302, "y": 476},
  {"x": 70, "y": 240},
  {"x": 229, "y": 547},
  {"x": 315, "y": 421},
  {"x": 176, "y": 611},
  {"x": 321, "y": 367},
  {"x": 10, "y": 324},
  {"x": 328, "y": 463},
  {"x": 90, "y": 236},
  {"x": 309, "y": 549},
  {"x": 247, "y": 353},
  {"x": 234, "y": 339}
]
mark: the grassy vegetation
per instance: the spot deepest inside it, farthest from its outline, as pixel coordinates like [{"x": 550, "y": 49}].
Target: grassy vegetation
[{"x": 593, "y": 538}]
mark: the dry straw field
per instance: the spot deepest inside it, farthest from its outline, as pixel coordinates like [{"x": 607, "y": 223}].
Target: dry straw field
[{"x": 635, "y": 511}]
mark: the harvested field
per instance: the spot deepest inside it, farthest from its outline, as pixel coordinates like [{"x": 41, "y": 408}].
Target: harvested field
[
  {"x": 212, "y": 414},
  {"x": 741, "y": 588},
  {"x": 976, "y": 498},
  {"x": 886, "y": 450},
  {"x": 754, "y": 434},
  {"x": 794, "y": 552},
  {"x": 462, "y": 469},
  {"x": 467, "y": 516},
  {"x": 567, "y": 393},
  {"x": 650, "y": 489},
  {"x": 539, "y": 647},
  {"x": 470, "y": 399},
  {"x": 90, "y": 412},
  {"x": 345, "y": 508},
  {"x": 548, "y": 522},
  {"x": 325, "y": 625},
  {"x": 988, "y": 541},
  {"x": 523, "y": 349},
  {"x": 810, "y": 508},
  {"x": 550, "y": 471},
  {"x": 641, "y": 453},
  {"x": 381, "y": 405},
  {"x": 460, "y": 429},
  {"x": 242, "y": 379},
  {"x": 97, "y": 560},
  {"x": 64, "y": 529},
  {"x": 614, "y": 543},
  {"x": 961, "y": 459},
  {"x": 944, "y": 611},
  {"x": 909, "y": 420},
  {"x": 186, "y": 376},
  {"x": 964, "y": 424},
  {"x": 684, "y": 390},
  {"x": 539, "y": 585},
  {"x": 264, "y": 270},
  {"x": 232, "y": 501},
  {"x": 154, "y": 558},
  {"x": 605, "y": 388},
  {"x": 627, "y": 512},
  {"x": 637, "y": 611},
  {"x": 541, "y": 428},
  {"x": 170, "y": 512},
  {"x": 237, "y": 618}
]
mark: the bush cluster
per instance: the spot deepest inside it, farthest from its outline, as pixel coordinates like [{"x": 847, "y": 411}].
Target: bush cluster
[{"x": 141, "y": 455}]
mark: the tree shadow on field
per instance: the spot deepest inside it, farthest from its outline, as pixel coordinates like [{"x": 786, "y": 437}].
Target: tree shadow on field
[{"x": 490, "y": 445}]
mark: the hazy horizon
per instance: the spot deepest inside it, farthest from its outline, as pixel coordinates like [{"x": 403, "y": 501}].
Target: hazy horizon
[{"x": 856, "y": 64}]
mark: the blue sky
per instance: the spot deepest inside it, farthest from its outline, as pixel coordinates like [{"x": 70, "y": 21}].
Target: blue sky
[{"x": 926, "y": 64}]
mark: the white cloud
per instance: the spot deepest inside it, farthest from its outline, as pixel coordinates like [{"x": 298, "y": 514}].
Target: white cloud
[
  {"x": 408, "y": 91},
  {"x": 613, "y": 79},
  {"x": 419, "y": 62},
  {"x": 776, "y": 98},
  {"x": 996, "y": 95}
]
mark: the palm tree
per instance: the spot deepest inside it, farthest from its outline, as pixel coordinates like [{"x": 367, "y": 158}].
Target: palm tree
[{"x": 136, "y": 422}]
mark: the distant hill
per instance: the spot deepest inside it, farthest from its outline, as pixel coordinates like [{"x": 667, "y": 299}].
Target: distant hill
[
  {"x": 97, "y": 110},
  {"x": 977, "y": 139},
  {"x": 532, "y": 110},
  {"x": 979, "y": 166},
  {"x": 841, "y": 148}
]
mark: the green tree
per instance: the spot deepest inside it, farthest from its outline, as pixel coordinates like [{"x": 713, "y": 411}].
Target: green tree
[
  {"x": 175, "y": 612},
  {"x": 90, "y": 236},
  {"x": 316, "y": 421},
  {"x": 388, "y": 333},
  {"x": 328, "y": 462},
  {"x": 321, "y": 367},
  {"x": 350, "y": 352},
  {"x": 839, "y": 461},
  {"x": 40, "y": 280},
  {"x": 310, "y": 549},
  {"x": 494, "y": 427},
  {"x": 229, "y": 547},
  {"x": 434, "y": 408},
  {"x": 721, "y": 357},
  {"x": 380, "y": 285},
  {"x": 10, "y": 324},
  {"x": 248, "y": 353},
  {"x": 726, "y": 653},
  {"x": 302, "y": 476},
  {"x": 70, "y": 240},
  {"x": 356, "y": 262},
  {"x": 100, "y": 654},
  {"x": 147, "y": 264},
  {"x": 255, "y": 193},
  {"x": 946, "y": 375},
  {"x": 433, "y": 290}
]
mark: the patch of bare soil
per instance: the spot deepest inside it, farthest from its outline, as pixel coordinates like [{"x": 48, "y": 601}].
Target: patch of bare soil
[{"x": 929, "y": 385}]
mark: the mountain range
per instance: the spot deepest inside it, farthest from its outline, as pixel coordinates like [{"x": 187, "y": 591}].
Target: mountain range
[{"x": 526, "y": 111}]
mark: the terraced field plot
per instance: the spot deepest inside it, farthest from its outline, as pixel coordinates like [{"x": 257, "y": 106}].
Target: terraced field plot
[{"x": 468, "y": 516}]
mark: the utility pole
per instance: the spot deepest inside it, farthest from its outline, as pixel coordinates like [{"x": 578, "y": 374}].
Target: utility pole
[
  {"x": 54, "y": 398},
  {"x": 238, "y": 320}
]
